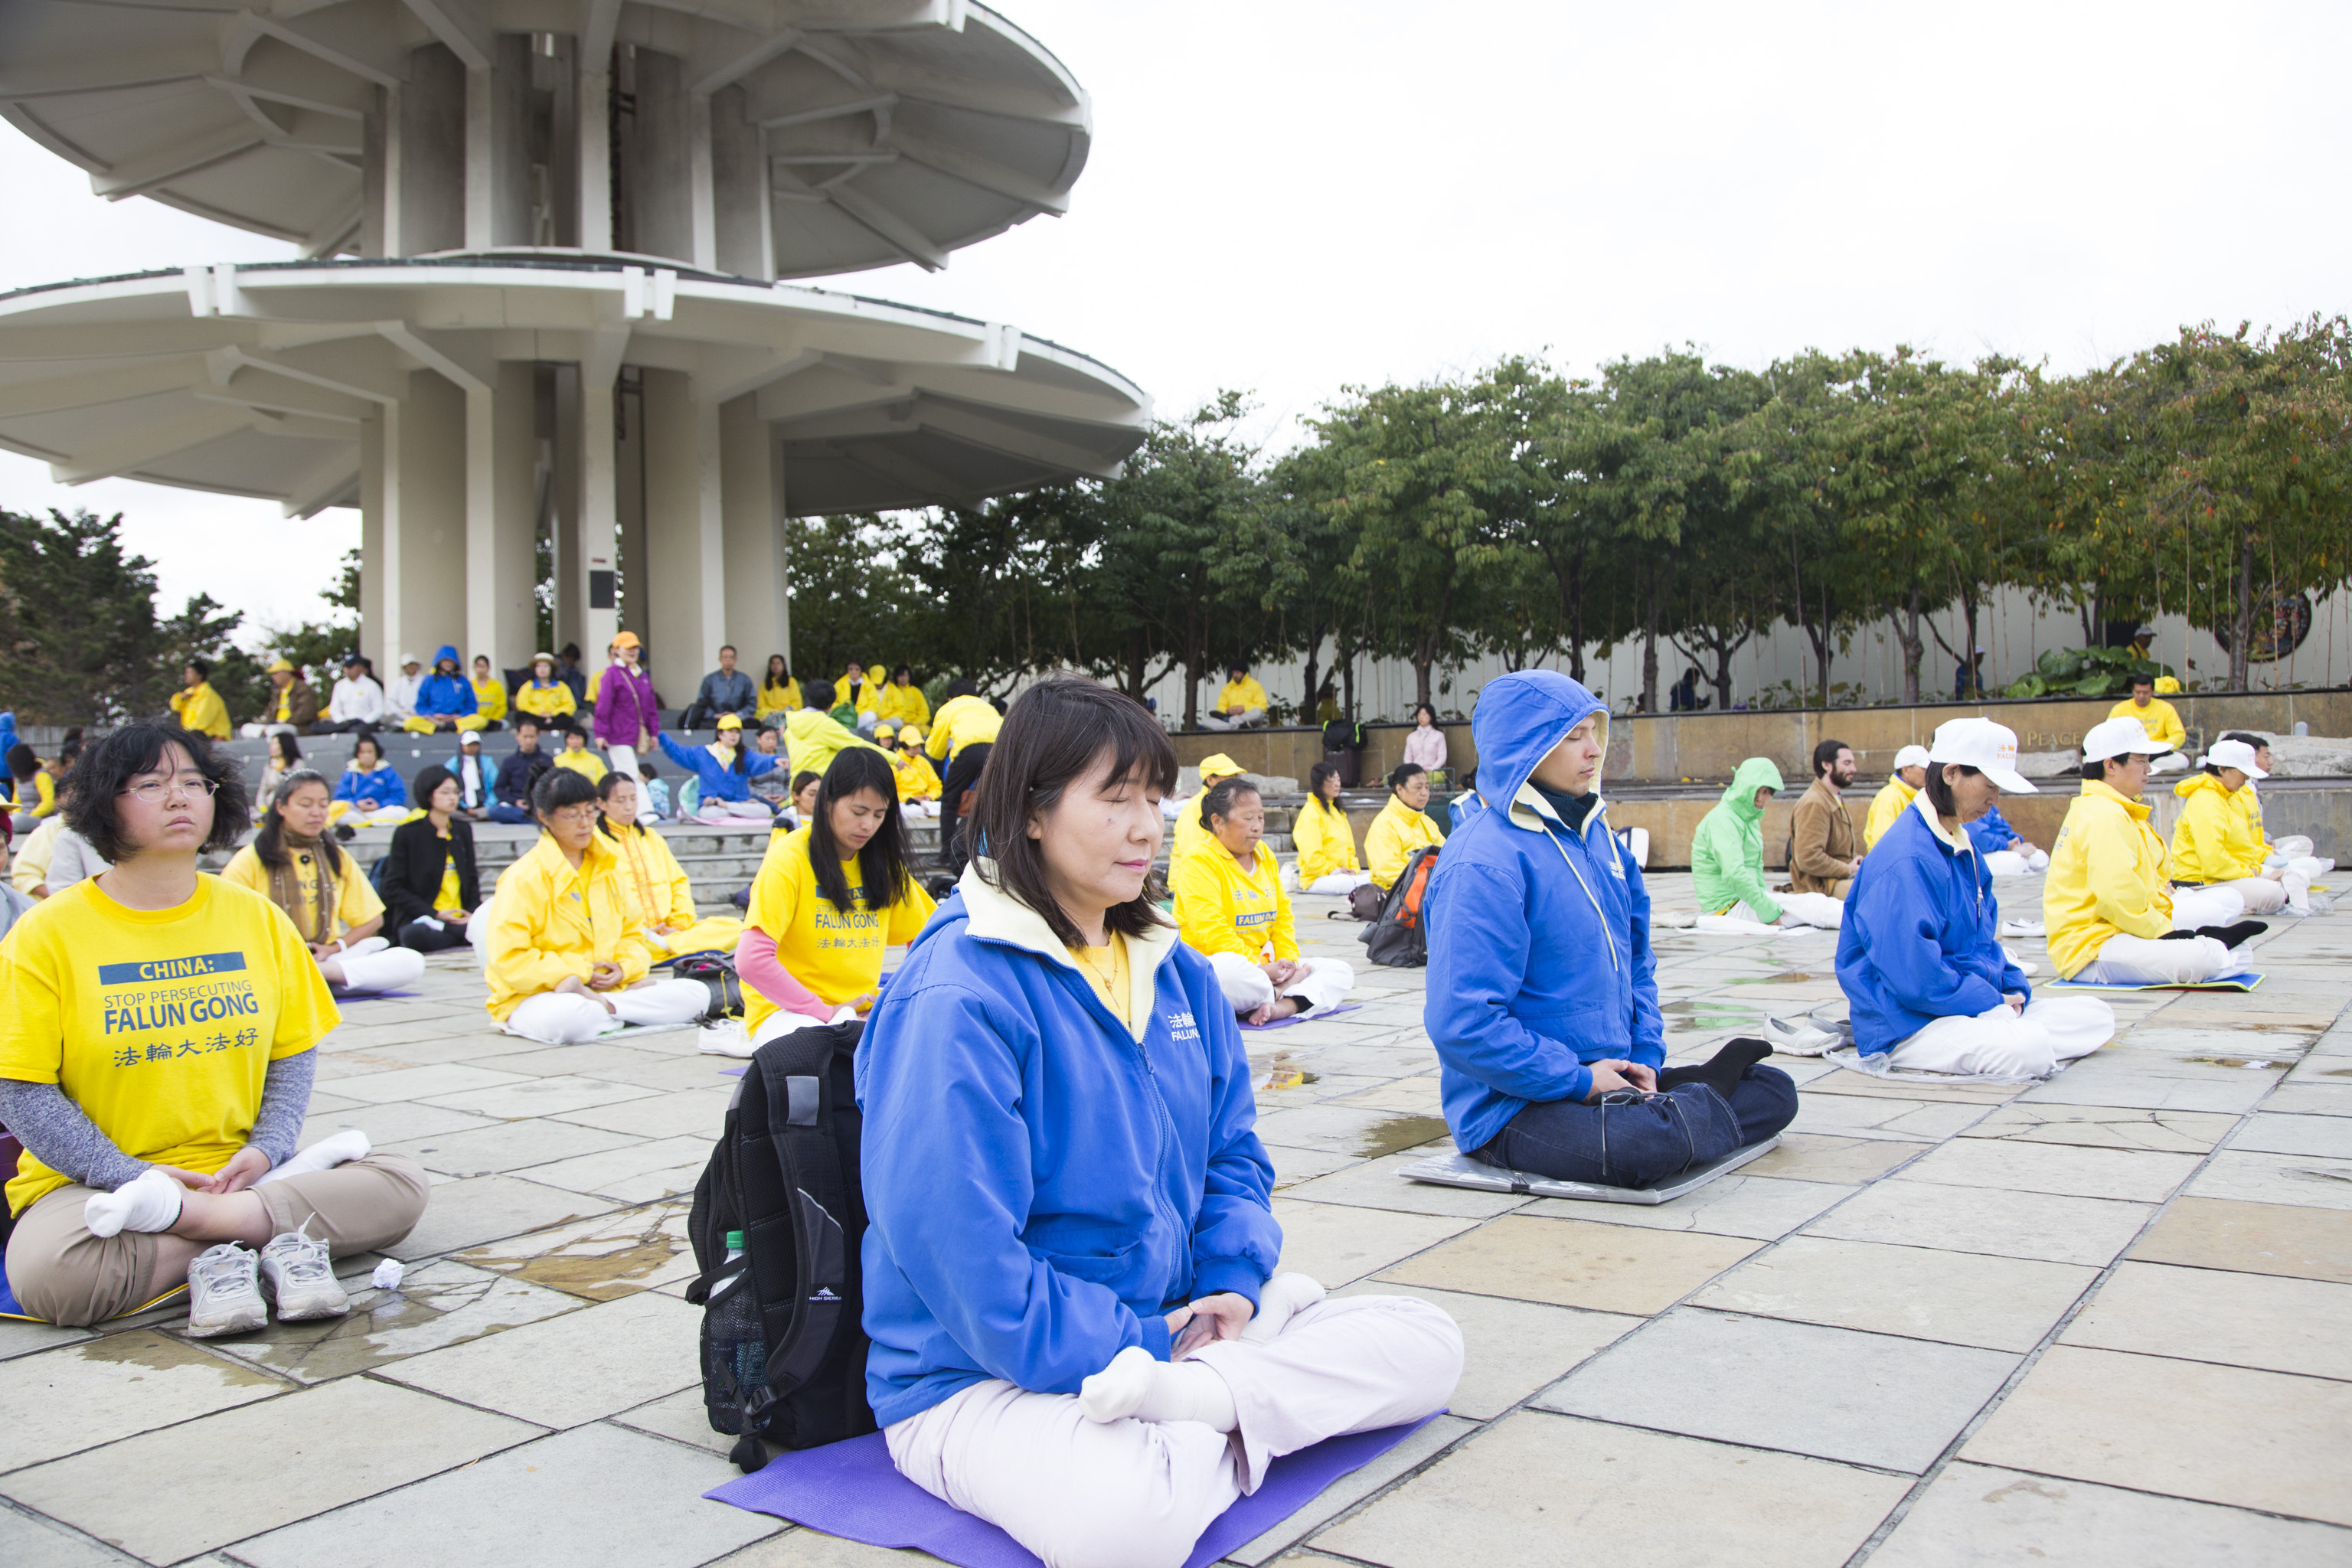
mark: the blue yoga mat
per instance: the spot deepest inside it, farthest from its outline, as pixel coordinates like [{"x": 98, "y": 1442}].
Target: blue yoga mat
[
  {"x": 1294, "y": 1018},
  {"x": 852, "y": 1490},
  {"x": 2235, "y": 983}
]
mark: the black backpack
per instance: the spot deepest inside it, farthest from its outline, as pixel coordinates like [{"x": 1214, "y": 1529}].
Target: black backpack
[
  {"x": 783, "y": 1354},
  {"x": 1400, "y": 936},
  {"x": 716, "y": 973}
]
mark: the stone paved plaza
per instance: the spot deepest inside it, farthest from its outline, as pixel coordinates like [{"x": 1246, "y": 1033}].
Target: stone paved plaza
[{"x": 2105, "y": 1319}]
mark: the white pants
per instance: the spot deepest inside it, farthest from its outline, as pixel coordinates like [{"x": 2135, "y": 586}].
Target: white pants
[
  {"x": 382, "y": 816},
  {"x": 2195, "y": 908},
  {"x": 922, "y": 809},
  {"x": 1242, "y": 721},
  {"x": 1339, "y": 884},
  {"x": 2170, "y": 762},
  {"x": 374, "y": 964},
  {"x": 2294, "y": 853},
  {"x": 2137, "y": 961},
  {"x": 564, "y": 1018},
  {"x": 728, "y": 810},
  {"x": 1137, "y": 1494},
  {"x": 2053, "y": 1030},
  {"x": 783, "y": 1021},
  {"x": 2264, "y": 897},
  {"x": 255, "y": 732},
  {"x": 2016, "y": 863},
  {"x": 1798, "y": 909},
  {"x": 1325, "y": 985}
]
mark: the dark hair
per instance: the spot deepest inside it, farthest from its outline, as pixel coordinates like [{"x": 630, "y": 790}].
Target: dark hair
[
  {"x": 1421, "y": 707},
  {"x": 2095, "y": 772},
  {"x": 817, "y": 693},
  {"x": 69, "y": 748},
  {"x": 1053, "y": 734},
  {"x": 2249, "y": 737},
  {"x": 604, "y": 788},
  {"x": 107, "y": 768},
  {"x": 428, "y": 780},
  {"x": 270, "y": 841},
  {"x": 1404, "y": 774},
  {"x": 570, "y": 730},
  {"x": 203, "y": 666},
  {"x": 961, "y": 686},
  {"x": 1316, "y": 776},
  {"x": 522, "y": 718},
  {"x": 2147, "y": 680},
  {"x": 1825, "y": 754},
  {"x": 288, "y": 744},
  {"x": 906, "y": 670},
  {"x": 882, "y": 872},
  {"x": 571, "y": 651},
  {"x": 366, "y": 737},
  {"x": 1219, "y": 799},
  {"x": 1938, "y": 792},
  {"x": 644, "y": 769},
  {"x": 728, "y": 647},
  {"x": 560, "y": 787},
  {"x": 808, "y": 776},
  {"x": 22, "y": 763},
  {"x": 779, "y": 671}
]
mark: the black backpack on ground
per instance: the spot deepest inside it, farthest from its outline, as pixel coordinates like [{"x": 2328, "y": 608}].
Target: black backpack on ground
[
  {"x": 716, "y": 973},
  {"x": 1400, "y": 938},
  {"x": 783, "y": 1354},
  {"x": 1343, "y": 748}
]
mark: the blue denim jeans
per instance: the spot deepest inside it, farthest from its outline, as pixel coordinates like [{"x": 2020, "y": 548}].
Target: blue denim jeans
[
  {"x": 513, "y": 815},
  {"x": 1629, "y": 1141}
]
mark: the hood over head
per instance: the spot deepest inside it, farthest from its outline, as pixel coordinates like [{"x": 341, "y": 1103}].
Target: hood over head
[
  {"x": 1520, "y": 717},
  {"x": 1755, "y": 773},
  {"x": 448, "y": 652}
]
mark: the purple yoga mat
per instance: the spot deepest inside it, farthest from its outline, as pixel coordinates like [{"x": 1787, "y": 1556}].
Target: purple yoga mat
[
  {"x": 1294, "y": 1018},
  {"x": 852, "y": 1490}
]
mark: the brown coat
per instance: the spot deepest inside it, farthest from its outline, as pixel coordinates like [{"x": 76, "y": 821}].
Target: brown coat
[
  {"x": 1823, "y": 843},
  {"x": 302, "y": 705}
]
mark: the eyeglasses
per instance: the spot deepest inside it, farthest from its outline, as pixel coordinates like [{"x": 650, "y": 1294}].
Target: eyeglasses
[
  {"x": 151, "y": 792},
  {"x": 576, "y": 815}
]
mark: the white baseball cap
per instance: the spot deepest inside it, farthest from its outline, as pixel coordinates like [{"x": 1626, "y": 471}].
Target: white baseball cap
[
  {"x": 2233, "y": 755},
  {"x": 1981, "y": 744},
  {"x": 1911, "y": 757},
  {"x": 2115, "y": 737}
]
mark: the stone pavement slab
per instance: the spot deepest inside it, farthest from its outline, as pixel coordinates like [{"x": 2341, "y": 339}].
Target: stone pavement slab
[
  {"x": 485, "y": 1208},
  {"x": 2301, "y": 1180},
  {"x": 1909, "y": 1213},
  {"x": 1381, "y": 1183},
  {"x": 564, "y": 1371},
  {"x": 1761, "y": 1207},
  {"x": 1816, "y": 1157},
  {"x": 2327, "y": 1137},
  {"x": 424, "y": 1083},
  {"x": 18, "y": 1337},
  {"x": 685, "y": 1112},
  {"x": 1959, "y": 1297},
  {"x": 504, "y": 1146},
  {"x": 522, "y": 1096},
  {"x": 1835, "y": 1394},
  {"x": 2157, "y": 1081},
  {"x": 438, "y": 1304},
  {"x": 397, "y": 1122},
  {"x": 1352, "y": 1489},
  {"x": 642, "y": 1248},
  {"x": 2133, "y": 1174},
  {"x": 2205, "y": 1314},
  {"x": 1575, "y": 1263},
  {"x": 1511, "y": 1349},
  {"x": 2257, "y": 1238},
  {"x": 1336, "y": 1243},
  {"x": 38, "y": 1542},
  {"x": 2104, "y": 1127},
  {"x": 91, "y": 1394}
]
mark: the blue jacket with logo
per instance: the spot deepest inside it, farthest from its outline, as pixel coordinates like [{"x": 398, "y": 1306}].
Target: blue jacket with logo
[
  {"x": 1043, "y": 1184},
  {"x": 440, "y": 696},
  {"x": 1921, "y": 938},
  {"x": 1539, "y": 957}
]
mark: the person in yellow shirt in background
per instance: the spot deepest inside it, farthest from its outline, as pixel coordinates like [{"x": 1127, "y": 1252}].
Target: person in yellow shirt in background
[
  {"x": 2215, "y": 845},
  {"x": 2158, "y": 718},
  {"x": 861, "y": 693},
  {"x": 778, "y": 693},
  {"x": 961, "y": 733},
  {"x": 1894, "y": 796},
  {"x": 197, "y": 705},
  {"x": 831, "y": 897},
  {"x": 1401, "y": 826},
  {"x": 37, "y": 789},
  {"x": 661, "y": 894},
  {"x": 1325, "y": 838},
  {"x": 1240, "y": 704},
  {"x": 291, "y": 706},
  {"x": 2111, "y": 911},
  {"x": 918, "y": 786},
  {"x": 566, "y": 950},
  {"x": 2292, "y": 852},
  {"x": 490, "y": 694},
  {"x": 297, "y": 865},
  {"x": 546, "y": 696},
  {"x": 903, "y": 700},
  {"x": 1231, "y": 909},
  {"x": 577, "y": 757},
  {"x": 1189, "y": 834}
]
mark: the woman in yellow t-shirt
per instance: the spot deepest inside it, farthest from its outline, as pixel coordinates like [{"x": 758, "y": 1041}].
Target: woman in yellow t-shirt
[
  {"x": 297, "y": 865},
  {"x": 156, "y": 1034},
  {"x": 779, "y": 692},
  {"x": 1401, "y": 826},
  {"x": 1230, "y": 908},
  {"x": 903, "y": 700},
  {"x": 829, "y": 899},
  {"x": 658, "y": 888},
  {"x": 1325, "y": 838},
  {"x": 577, "y": 757}
]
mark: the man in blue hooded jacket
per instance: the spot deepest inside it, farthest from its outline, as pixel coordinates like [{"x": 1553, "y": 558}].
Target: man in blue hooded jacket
[
  {"x": 445, "y": 698},
  {"x": 1543, "y": 993}
]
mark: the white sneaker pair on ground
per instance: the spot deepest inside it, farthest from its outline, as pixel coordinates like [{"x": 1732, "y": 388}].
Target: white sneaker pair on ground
[{"x": 225, "y": 1284}]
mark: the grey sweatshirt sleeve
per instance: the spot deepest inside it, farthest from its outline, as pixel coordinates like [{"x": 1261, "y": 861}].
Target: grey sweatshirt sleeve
[
  {"x": 284, "y": 1101},
  {"x": 59, "y": 1135}
]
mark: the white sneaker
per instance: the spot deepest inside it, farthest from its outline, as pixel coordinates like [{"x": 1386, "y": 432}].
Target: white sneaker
[
  {"x": 1797, "y": 1036},
  {"x": 224, "y": 1292},
  {"x": 301, "y": 1278}
]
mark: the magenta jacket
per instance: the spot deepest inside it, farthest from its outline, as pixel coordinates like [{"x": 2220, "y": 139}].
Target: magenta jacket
[{"x": 624, "y": 702}]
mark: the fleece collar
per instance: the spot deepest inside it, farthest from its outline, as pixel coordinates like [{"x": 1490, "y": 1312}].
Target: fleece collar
[
  {"x": 1961, "y": 845},
  {"x": 994, "y": 915}
]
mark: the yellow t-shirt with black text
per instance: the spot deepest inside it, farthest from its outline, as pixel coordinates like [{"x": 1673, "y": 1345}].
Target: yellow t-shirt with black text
[
  {"x": 161, "y": 1025},
  {"x": 835, "y": 953}
]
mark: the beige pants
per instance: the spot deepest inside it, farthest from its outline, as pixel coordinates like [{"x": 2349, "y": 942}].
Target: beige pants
[{"x": 62, "y": 1274}]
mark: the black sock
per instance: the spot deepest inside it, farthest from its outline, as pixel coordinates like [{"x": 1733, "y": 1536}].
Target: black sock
[
  {"x": 2230, "y": 936},
  {"x": 1723, "y": 1072}
]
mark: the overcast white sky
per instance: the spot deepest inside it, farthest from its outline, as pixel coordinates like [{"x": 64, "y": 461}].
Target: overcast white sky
[{"x": 1288, "y": 198}]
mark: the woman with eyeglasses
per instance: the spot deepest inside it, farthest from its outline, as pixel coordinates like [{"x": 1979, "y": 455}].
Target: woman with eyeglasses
[
  {"x": 295, "y": 864},
  {"x": 567, "y": 955},
  {"x": 156, "y": 1034}
]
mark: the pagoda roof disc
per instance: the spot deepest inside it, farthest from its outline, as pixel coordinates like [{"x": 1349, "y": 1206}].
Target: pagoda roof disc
[
  {"x": 892, "y": 130},
  {"x": 258, "y": 380}
]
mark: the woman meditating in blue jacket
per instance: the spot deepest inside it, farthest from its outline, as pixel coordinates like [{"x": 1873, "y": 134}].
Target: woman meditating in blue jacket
[
  {"x": 1543, "y": 991},
  {"x": 1077, "y": 1330}
]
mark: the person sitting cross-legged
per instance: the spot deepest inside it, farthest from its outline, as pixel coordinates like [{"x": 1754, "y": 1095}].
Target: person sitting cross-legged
[
  {"x": 567, "y": 955},
  {"x": 1231, "y": 909},
  {"x": 1919, "y": 956},
  {"x": 2293, "y": 851},
  {"x": 1240, "y": 703},
  {"x": 1077, "y": 1330},
  {"x": 1325, "y": 838},
  {"x": 779, "y": 693},
  {"x": 2214, "y": 844},
  {"x": 356, "y": 703},
  {"x": 1402, "y": 826},
  {"x": 197, "y": 705},
  {"x": 1824, "y": 851},
  {"x": 297, "y": 865},
  {"x": 490, "y": 694},
  {"x": 519, "y": 773},
  {"x": 1728, "y": 858},
  {"x": 725, "y": 768},
  {"x": 1543, "y": 992},
  {"x": 546, "y": 696},
  {"x": 2161, "y": 719},
  {"x": 369, "y": 792},
  {"x": 2005, "y": 851},
  {"x": 661, "y": 894},
  {"x": 575, "y": 757},
  {"x": 430, "y": 878},
  {"x": 1894, "y": 796},
  {"x": 158, "y": 1149},
  {"x": 918, "y": 783},
  {"x": 445, "y": 698}
]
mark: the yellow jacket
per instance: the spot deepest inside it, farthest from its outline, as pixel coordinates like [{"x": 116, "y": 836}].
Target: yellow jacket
[
  {"x": 553, "y": 700},
  {"x": 777, "y": 698},
  {"x": 812, "y": 740},
  {"x": 2249, "y": 806},
  {"x": 1220, "y": 908},
  {"x": 200, "y": 709},
  {"x": 1326, "y": 841},
  {"x": 916, "y": 779},
  {"x": 867, "y": 697},
  {"x": 905, "y": 704},
  {"x": 490, "y": 697},
  {"x": 962, "y": 721},
  {"x": 1242, "y": 694},
  {"x": 1886, "y": 810},
  {"x": 1393, "y": 837},
  {"x": 2107, "y": 879},
  {"x": 2214, "y": 842},
  {"x": 549, "y": 922},
  {"x": 2160, "y": 719},
  {"x": 584, "y": 762}
]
